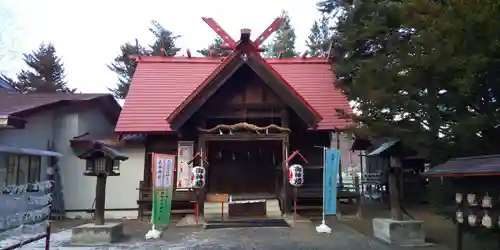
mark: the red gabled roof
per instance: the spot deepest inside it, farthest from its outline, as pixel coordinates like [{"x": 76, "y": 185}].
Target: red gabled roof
[
  {"x": 310, "y": 116},
  {"x": 200, "y": 87},
  {"x": 161, "y": 84}
]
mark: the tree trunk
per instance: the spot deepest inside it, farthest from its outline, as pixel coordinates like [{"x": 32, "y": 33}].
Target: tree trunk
[{"x": 396, "y": 212}]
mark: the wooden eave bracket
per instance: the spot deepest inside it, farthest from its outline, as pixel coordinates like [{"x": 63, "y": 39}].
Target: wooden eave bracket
[
  {"x": 294, "y": 154},
  {"x": 198, "y": 155}
]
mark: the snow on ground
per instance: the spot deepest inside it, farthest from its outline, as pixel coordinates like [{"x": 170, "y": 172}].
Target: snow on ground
[
  {"x": 341, "y": 238},
  {"x": 60, "y": 241}
]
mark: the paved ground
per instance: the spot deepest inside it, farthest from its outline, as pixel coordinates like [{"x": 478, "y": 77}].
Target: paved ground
[{"x": 303, "y": 236}]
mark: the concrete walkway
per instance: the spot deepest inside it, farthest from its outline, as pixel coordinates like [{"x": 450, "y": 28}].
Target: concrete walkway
[{"x": 301, "y": 237}]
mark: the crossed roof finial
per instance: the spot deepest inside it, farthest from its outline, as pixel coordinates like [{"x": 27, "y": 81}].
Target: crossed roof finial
[{"x": 231, "y": 43}]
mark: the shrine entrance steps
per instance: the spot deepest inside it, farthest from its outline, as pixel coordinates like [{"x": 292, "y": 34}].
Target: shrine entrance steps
[
  {"x": 242, "y": 209},
  {"x": 238, "y": 223}
]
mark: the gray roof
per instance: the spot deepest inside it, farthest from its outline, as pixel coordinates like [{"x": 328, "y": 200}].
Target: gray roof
[
  {"x": 4, "y": 84},
  {"x": 476, "y": 165}
]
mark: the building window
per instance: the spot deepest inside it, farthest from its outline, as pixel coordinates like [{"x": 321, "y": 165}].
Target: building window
[{"x": 23, "y": 169}]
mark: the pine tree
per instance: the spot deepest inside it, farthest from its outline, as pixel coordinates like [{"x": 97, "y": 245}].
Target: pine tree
[
  {"x": 164, "y": 39},
  {"x": 216, "y": 47},
  {"x": 284, "y": 40},
  {"x": 319, "y": 40},
  {"x": 124, "y": 67},
  {"x": 45, "y": 74},
  {"x": 425, "y": 72},
  {"x": 335, "y": 6}
]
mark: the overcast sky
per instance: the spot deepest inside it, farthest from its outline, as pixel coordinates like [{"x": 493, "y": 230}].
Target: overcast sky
[{"x": 87, "y": 34}]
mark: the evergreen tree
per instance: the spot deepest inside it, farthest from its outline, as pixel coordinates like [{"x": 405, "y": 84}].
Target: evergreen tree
[
  {"x": 425, "y": 72},
  {"x": 421, "y": 62},
  {"x": 320, "y": 37},
  {"x": 164, "y": 39},
  {"x": 45, "y": 73},
  {"x": 335, "y": 6},
  {"x": 216, "y": 47},
  {"x": 284, "y": 40},
  {"x": 124, "y": 67}
]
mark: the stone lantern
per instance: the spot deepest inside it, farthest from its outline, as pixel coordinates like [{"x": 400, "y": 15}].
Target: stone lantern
[{"x": 101, "y": 161}]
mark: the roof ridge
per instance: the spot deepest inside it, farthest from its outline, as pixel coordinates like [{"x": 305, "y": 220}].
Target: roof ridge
[{"x": 218, "y": 60}]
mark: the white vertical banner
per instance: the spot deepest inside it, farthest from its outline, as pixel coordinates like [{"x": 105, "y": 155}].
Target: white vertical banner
[
  {"x": 167, "y": 176},
  {"x": 185, "y": 153},
  {"x": 160, "y": 172}
]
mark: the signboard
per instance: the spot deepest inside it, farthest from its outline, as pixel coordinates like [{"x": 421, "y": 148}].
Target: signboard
[
  {"x": 331, "y": 172},
  {"x": 163, "y": 180},
  {"x": 184, "y": 155}
]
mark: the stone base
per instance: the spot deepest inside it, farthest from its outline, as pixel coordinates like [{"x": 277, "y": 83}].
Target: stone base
[
  {"x": 403, "y": 233},
  {"x": 190, "y": 221},
  {"x": 91, "y": 234},
  {"x": 289, "y": 219}
]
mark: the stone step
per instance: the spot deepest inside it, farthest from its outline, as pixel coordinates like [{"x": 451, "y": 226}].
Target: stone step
[
  {"x": 214, "y": 208},
  {"x": 280, "y": 222}
]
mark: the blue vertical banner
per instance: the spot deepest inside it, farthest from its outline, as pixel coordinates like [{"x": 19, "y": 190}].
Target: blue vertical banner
[{"x": 331, "y": 172}]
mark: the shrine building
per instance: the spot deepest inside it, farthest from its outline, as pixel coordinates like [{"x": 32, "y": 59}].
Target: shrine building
[{"x": 245, "y": 115}]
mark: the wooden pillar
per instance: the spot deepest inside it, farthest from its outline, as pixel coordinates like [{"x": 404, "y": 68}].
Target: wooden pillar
[
  {"x": 284, "y": 118},
  {"x": 100, "y": 199},
  {"x": 340, "y": 162},
  {"x": 285, "y": 189},
  {"x": 200, "y": 194},
  {"x": 145, "y": 186},
  {"x": 361, "y": 188},
  {"x": 394, "y": 175}
]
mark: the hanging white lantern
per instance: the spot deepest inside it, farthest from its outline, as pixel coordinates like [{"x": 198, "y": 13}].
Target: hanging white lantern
[
  {"x": 459, "y": 198},
  {"x": 486, "y": 221},
  {"x": 486, "y": 202},
  {"x": 460, "y": 217},
  {"x": 472, "y": 219},
  {"x": 471, "y": 199}
]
